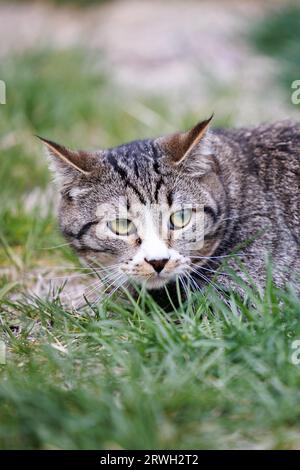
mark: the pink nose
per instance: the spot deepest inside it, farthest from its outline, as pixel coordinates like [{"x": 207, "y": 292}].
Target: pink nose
[{"x": 157, "y": 264}]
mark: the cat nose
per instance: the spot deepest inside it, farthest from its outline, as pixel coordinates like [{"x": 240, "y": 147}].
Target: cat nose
[{"x": 157, "y": 264}]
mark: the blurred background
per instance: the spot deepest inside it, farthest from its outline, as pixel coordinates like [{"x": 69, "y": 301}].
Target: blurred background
[{"x": 97, "y": 73}]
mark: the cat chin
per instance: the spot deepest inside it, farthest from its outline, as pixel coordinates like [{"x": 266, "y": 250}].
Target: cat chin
[{"x": 157, "y": 282}]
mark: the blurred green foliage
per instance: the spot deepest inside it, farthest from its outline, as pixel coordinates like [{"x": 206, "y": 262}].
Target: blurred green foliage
[
  {"x": 278, "y": 35},
  {"x": 80, "y": 3}
]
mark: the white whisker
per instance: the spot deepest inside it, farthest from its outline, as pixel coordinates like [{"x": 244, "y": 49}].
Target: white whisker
[
  {"x": 56, "y": 246},
  {"x": 195, "y": 285},
  {"x": 215, "y": 257},
  {"x": 109, "y": 279},
  {"x": 208, "y": 281},
  {"x": 183, "y": 285},
  {"x": 210, "y": 270}
]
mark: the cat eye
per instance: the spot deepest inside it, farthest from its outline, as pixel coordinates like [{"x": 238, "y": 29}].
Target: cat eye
[
  {"x": 122, "y": 227},
  {"x": 180, "y": 219}
]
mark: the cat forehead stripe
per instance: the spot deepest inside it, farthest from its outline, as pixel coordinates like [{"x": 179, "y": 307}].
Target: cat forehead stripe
[{"x": 125, "y": 177}]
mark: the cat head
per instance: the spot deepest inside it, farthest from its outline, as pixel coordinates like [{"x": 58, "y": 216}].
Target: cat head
[{"x": 146, "y": 210}]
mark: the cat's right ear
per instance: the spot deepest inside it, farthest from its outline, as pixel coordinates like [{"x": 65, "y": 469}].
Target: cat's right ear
[
  {"x": 189, "y": 149},
  {"x": 68, "y": 164}
]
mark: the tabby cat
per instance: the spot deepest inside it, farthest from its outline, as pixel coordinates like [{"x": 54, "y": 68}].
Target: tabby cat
[{"x": 153, "y": 211}]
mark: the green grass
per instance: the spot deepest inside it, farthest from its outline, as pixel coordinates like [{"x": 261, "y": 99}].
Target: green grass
[{"x": 114, "y": 376}]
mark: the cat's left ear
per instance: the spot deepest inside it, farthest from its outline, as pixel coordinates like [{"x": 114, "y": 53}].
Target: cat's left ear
[
  {"x": 186, "y": 147},
  {"x": 67, "y": 164}
]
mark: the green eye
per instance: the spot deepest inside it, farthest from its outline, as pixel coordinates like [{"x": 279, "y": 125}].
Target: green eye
[
  {"x": 122, "y": 226},
  {"x": 180, "y": 219}
]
